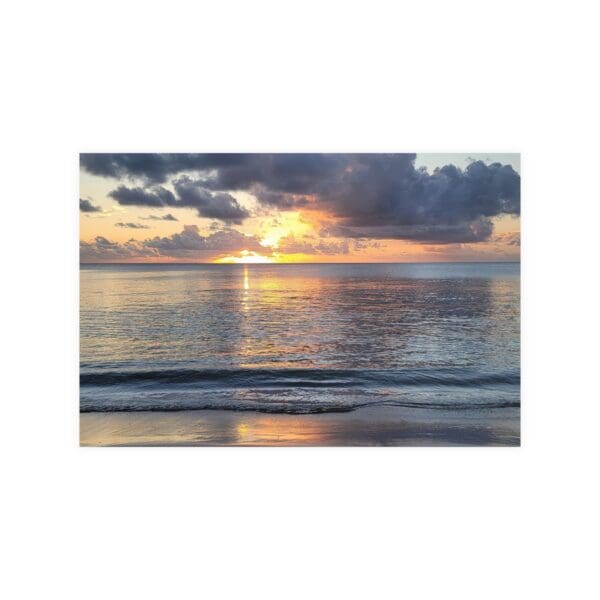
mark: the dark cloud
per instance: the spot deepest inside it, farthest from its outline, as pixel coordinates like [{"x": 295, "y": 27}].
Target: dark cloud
[
  {"x": 385, "y": 197},
  {"x": 154, "y": 168},
  {"x": 132, "y": 225},
  {"x": 88, "y": 207},
  {"x": 190, "y": 194},
  {"x": 377, "y": 196},
  {"x": 280, "y": 177},
  {"x": 469, "y": 232},
  {"x": 156, "y": 196},
  {"x": 167, "y": 217},
  {"x": 221, "y": 206},
  {"x": 280, "y": 200}
]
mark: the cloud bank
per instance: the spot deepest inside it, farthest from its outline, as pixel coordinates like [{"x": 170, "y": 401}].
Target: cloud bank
[
  {"x": 359, "y": 196},
  {"x": 189, "y": 244},
  {"x": 103, "y": 250}
]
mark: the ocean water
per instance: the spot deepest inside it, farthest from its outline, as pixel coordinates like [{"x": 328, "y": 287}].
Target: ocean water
[{"x": 300, "y": 339}]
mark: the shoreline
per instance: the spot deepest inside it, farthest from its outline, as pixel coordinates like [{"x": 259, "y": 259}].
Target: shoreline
[{"x": 367, "y": 426}]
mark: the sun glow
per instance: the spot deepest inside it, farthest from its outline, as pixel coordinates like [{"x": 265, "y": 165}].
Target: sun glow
[
  {"x": 286, "y": 225},
  {"x": 245, "y": 257}
]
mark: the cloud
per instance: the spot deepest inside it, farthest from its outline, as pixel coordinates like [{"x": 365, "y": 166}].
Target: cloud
[
  {"x": 313, "y": 245},
  {"x": 167, "y": 217},
  {"x": 102, "y": 250},
  {"x": 190, "y": 194},
  {"x": 385, "y": 197},
  {"x": 157, "y": 196},
  {"x": 467, "y": 232},
  {"x": 360, "y": 244},
  {"x": 280, "y": 200},
  {"x": 280, "y": 177},
  {"x": 376, "y": 196},
  {"x": 221, "y": 206},
  {"x": 154, "y": 168},
  {"x": 132, "y": 225},
  {"x": 188, "y": 244},
  {"x": 88, "y": 207},
  {"x": 293, "y": 245},
  {"x": 508, "y": 239}
]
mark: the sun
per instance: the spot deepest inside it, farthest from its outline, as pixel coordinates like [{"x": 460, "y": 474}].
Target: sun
[{"x": 245, "y": 257}]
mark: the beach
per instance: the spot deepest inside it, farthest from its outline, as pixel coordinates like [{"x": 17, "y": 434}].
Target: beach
[{"x": 369, "y": 426}]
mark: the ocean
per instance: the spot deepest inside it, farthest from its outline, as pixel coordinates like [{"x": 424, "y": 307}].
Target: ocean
[{"x": 302, "y": 339}]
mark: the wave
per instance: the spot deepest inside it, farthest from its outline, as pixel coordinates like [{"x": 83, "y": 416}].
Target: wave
[
  {"x": 281, "y": 408},
  {"x": 301, "y": 378},
  {"x": 295, "y": 390}
]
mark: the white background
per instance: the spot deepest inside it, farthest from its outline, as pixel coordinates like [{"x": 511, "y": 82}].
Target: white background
[{"x": 299, "y": 523}]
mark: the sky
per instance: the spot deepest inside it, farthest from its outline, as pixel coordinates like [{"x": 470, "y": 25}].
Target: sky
[{"x": 282, "y": 208}]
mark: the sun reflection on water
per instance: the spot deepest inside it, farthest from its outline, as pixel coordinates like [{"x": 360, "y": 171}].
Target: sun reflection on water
[{"x": 246, "y": 292}]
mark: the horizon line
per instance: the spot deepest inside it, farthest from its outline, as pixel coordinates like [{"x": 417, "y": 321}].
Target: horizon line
[{"x": 437, "y": 262}]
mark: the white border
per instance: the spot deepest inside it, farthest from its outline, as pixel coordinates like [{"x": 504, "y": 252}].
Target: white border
[{"x": 300, "y": 523}]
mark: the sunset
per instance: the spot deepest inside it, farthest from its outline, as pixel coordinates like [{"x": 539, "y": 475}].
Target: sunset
[
  {"x": 355, "y": 299},
  {"x": 299, "y": 208}
]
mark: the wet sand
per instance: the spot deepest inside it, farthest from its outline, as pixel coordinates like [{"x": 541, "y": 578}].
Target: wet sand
[{"x": 363, "y": 427}]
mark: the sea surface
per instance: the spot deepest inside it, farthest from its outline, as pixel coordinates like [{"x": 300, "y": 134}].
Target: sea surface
[{"x": 300, "y": 339}]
